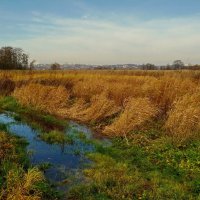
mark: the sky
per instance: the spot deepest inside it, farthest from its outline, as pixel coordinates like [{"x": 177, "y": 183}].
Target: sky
[{"x": 103, "y": 31}]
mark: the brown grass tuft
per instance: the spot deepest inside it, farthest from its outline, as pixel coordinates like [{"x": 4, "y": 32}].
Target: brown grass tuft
[
  {"x": 20, "y": 185},
  {"x": 86, "y": 89},
  {"x": 137, "y": 111},
  {"x": 97, "y": 95},
  {"x": 183, "y": 121},
  {"x": 101, "y": 108},
  {"x": 7, "y": 86},
  {"x": 46, "y": 98},
  {"x": 74, "y": 111}
]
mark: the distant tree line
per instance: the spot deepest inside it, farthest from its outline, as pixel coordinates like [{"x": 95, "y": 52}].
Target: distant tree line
[
  {"x": 193, "y": 67},
  {"x": 149, "y": 66},
  {"x": 177, "y": 65},
  {"x": 16, "y": 58}
]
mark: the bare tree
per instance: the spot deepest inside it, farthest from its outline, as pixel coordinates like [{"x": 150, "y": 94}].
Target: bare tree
[
  {"x": 55, "y": 66},
  {"x": 32, "y": 64},
  {"x": 178, "y": 64}
]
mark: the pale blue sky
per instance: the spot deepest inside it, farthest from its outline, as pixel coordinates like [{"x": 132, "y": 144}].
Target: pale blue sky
[{"x": 103, "y": 31}]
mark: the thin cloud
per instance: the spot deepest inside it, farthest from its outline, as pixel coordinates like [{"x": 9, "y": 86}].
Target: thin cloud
[{"x": 90, "y": 40}]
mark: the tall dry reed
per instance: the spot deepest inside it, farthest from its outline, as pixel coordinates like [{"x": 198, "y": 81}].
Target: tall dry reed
[
  {"x": 136, "y": 113},
  {"x": 183, "y": 121},
  {"x": 46, "y": 98},
  {"x": 99, "y": 96}
]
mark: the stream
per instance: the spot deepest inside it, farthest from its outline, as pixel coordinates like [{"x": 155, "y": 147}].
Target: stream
[{"x": 66, "y": 161}]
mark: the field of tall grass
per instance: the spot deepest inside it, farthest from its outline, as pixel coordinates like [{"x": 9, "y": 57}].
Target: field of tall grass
[
  {"x": 152, "y": 116},
  {"x": 117, "y": 103}
]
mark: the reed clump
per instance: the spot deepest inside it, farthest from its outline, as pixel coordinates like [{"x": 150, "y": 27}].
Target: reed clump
[
  {"x": 101, "y": 108},
  {"x": 101, "y": 97},
  {"x": 87, "y": 88},
  {"x": 45, "y": 98},
  {"x": 22, "y": 185},
  {"x": 74, "y": 110},
  {"x": 136, "y": 113},
  {"x": 164, "y": 91},
  {"x": 183, "y": 121}
]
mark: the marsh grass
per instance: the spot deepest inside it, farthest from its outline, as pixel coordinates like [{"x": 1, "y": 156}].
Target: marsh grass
[
  {"x": 183, "y": 122},
  {"x": 99, "y": 98},
  {"x": 137, "y": 111},
  {"x": 48, "y": 99},
  {"x": 38, "y": 120},
  {"x": 157, "y": 112},
  {"x": 56, "y": 137}
]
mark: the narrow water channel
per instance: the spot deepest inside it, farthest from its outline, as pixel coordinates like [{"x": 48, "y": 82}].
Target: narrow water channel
[{"x": 66, "y": 160}]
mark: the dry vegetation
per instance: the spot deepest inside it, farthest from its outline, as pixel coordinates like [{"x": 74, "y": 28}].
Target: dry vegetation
[
  {"x": 157, "y": 112},
  {"x": 20, "y": 185},
  {"x": 136, "y": 113},
  {"x": 17, "y": 184},
  {"x": 118, "y": 102},
  {"x": 184, "y": 118},
  {"x": 45, "y": 98}
]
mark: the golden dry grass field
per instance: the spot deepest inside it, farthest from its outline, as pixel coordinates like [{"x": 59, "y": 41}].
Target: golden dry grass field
[
  {"x": 116, "y": 102},
  {"x": 151, "y": 117}
]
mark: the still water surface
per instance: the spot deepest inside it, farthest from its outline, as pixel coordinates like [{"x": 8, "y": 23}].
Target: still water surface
[{"x": 67, "y": 161}]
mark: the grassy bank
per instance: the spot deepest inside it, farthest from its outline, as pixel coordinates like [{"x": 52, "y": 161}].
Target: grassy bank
[
  {"x": 36, "y": 118},
  {"x": 18, "y": 178},
  {"x": 150, "y": 167}
]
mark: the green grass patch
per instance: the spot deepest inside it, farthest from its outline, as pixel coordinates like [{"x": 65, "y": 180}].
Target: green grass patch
[
  {"x": 150, "y": 167},
  {"x": 56, "y": 137}
]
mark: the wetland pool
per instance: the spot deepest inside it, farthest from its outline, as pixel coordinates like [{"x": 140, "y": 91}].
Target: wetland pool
[{"x": 66, "y": 157}]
